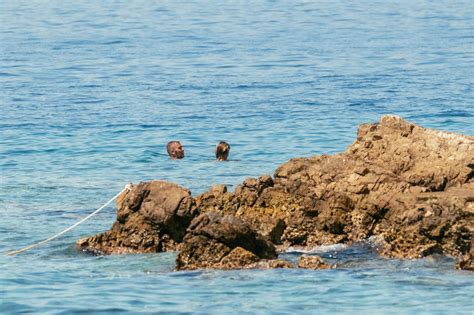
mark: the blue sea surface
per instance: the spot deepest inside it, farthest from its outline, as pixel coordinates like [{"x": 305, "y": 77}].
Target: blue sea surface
[{"x": 91, "y": 92}]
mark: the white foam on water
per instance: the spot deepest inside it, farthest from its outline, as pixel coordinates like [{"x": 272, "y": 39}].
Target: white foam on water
[{"x": 317, "y": 249}]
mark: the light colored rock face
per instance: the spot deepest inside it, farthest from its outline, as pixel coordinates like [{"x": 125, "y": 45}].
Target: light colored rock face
[{"x": 426, "y": 159}]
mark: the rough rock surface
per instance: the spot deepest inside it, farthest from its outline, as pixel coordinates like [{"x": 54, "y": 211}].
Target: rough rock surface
[
  {"x": 222, "y": 242},
  {"x": 412, "y": 186},
  {"x": 312, "y": 262},
  {"x": 151, "y": 217}
]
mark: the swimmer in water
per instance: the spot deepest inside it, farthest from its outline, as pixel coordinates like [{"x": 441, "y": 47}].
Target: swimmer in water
[
  {"x": 222, "y": 151},
  {"x": 175, "y": 150}
]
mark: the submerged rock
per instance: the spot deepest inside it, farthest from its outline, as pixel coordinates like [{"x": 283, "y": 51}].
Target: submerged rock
[
  {"x": 409, "y": 186},
  {"x": 312, "y": 262}
]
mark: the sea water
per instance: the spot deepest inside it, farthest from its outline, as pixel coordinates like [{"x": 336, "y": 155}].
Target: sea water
[{"x": 91, "y": 92}]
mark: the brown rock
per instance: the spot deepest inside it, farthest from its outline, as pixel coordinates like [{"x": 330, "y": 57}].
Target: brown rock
[
  {"x": 410, "y": 186},
  {"x": 312, "y": 262},
  {"x": 152, "y": 217},
  {"x": 200, "y": 252},
  {"x": 279, "y": 263},
  {"x": 222, "y": 242},
  {"x": 237, "y": 258}
]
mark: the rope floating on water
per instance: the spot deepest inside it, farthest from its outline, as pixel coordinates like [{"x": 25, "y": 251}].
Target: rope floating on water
[{"x": 12, "y": 253}]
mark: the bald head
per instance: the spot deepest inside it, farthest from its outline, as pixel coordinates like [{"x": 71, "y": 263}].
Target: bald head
[{"x": 175, "y": 150}]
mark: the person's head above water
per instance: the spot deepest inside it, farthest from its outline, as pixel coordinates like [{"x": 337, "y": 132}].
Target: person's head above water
[
  {"x": 222, "y": 151},
  {"x": 175, "y": 150}
]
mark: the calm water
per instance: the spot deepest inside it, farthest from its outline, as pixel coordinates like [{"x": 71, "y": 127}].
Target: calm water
[{"x": 90, "y": 93}]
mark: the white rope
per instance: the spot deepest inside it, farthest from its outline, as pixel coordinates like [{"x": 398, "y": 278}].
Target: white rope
[{"x": 12, "y": 253}]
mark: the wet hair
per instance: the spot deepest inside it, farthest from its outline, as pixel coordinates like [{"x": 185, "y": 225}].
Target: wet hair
[
  {"x": 222, "y": 151},
  {"x": 170, "y": 148}
]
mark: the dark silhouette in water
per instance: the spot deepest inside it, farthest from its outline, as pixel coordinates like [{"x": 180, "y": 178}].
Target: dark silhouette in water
[
  {"x": 222, "y": 151},
  {"x": 175, "y": 150}
]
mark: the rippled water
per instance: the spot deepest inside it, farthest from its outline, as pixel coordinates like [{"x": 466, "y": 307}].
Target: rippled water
[{"x": 90, "y": 93}]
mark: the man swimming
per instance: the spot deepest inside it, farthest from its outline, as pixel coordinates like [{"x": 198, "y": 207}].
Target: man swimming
[
  {"x": 222, "y": 151},
  {"x": 175, "y": 150}
]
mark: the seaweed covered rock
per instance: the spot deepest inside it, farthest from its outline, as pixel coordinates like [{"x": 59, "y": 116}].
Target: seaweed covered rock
[
  {"x": 222, "y": 242},
  {"x": 151, "y": 217}
]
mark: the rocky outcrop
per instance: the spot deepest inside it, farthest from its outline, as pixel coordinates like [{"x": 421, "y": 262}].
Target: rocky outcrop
[
  {"x": 151, "y": 217},
  {"x": 222, "y": 242},
  {"x": 411, "y": 187}
]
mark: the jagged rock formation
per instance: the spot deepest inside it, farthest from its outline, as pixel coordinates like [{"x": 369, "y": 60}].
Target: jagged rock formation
[
  {"x": 413, "y": 187},
  {"x": 222, "y": 242},
  {"x": 410, "y": 186},
  {"x": 151, "y": 218}
]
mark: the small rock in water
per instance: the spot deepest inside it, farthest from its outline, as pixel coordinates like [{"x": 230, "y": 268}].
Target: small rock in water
[{"x": 312, "y": 262}]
